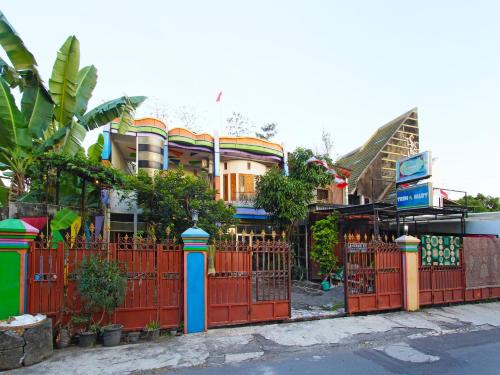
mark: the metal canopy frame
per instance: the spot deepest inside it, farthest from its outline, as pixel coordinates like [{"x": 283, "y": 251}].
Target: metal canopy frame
[{"x": 388, "y": 213}]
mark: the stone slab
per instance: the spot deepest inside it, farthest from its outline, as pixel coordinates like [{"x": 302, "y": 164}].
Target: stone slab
[
  {"x": 38, "y": 343},
  {"x": 11, "y": 358},
  {"x": 10, "y": 339}
]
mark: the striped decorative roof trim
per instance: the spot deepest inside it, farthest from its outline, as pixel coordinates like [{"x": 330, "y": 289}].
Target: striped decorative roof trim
[
  {"x": 144, "y": 129},
  {"x": 250, "y": 147},
  {"x": 185, "y": 136}
]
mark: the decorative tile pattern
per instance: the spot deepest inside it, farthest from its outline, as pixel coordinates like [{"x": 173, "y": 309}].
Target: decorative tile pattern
[{"x": 440, "y": 250}]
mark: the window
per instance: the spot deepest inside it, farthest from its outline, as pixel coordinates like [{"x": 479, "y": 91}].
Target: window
[
  {"x": 249, "y": 165},
  {"x": 322, "y": 195},
  {"x": 241, "y": 183},
  {"x": 246, "y": 183},
  {"x": 225, "y": 166}
]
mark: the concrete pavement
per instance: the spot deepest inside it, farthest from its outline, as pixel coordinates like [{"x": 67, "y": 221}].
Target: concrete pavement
[{"x": 390, "y": 334}]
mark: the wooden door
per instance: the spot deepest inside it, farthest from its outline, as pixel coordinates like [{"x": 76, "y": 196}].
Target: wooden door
[
  {"x": 233, "y": 187},
  {"x": 225, "y": 187}
]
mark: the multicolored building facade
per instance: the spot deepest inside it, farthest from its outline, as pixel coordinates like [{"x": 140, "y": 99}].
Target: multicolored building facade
[{"x": 231, "y": 165}]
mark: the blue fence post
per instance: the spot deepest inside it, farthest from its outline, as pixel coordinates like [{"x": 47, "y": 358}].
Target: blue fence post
[{"x": 195, "y": 279}]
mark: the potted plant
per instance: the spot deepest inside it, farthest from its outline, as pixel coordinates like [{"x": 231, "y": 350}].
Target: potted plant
[
  {"x": 87, "y": 331},
  {"x": 102, "y": 286},
  {"x": 152, "y": 330}
]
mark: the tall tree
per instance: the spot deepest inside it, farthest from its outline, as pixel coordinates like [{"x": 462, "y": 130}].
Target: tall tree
[
  {"x": 267, "y": 131},
  {"x": 286, "y": 198},
  {"x": 238, "y": 125}
]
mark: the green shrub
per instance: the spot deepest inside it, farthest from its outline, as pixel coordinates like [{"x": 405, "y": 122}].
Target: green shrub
[
  {"x": 101, "y": 284},
  {"x": 152, "y": 325}
]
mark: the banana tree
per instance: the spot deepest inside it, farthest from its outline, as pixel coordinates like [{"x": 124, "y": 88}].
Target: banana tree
[
  {"x": 54, "y": 119},
  {"x": 71, "y": 89}
]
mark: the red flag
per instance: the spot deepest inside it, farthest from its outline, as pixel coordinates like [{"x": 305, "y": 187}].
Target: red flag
[
  {"x": 444, "y": 193},
  {"x": 218, "y": 97}
]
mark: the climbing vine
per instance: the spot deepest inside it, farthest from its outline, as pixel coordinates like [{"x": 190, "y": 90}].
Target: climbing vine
[{"x": 325, "y": 237}]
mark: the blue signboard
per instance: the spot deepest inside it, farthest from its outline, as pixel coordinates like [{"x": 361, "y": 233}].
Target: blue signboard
[
  {"x": 417, "y": 196},
  {"x": 413, "y": 168}
]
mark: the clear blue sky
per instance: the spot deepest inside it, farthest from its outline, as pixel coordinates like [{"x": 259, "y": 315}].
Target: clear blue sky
[{"x": 346, "y": 66}]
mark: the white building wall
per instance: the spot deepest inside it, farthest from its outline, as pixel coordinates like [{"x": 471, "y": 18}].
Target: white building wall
[{"x": 237, "y": 167}]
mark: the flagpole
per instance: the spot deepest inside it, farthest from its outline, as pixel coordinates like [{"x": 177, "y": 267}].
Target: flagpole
[{"x": 220, "y": 116}]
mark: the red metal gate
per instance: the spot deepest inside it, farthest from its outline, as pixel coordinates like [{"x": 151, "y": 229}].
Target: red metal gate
[
  {"x": 373, "y": 275},
  {"x": 228, "y": 291},
  {"x": 251, "y": 283}
]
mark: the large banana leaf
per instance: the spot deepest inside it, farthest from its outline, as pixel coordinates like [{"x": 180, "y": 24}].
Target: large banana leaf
[
  {"x": 64, "y": 81},
  {"x": 87, "y": 80},
  {"x": 13, "y": 45},
  {"x": 13, "y": 128},
  {"x": 63, "y": 219},
  {"x": 126, "y": 119},
  {"x": 10, "y": 74},
  {"x": 106, "y": 112},
  {"x": 95, "y": 151},
  {"x": 37, "y": 106},
  {"x": 74, "y": 138},
  {"x": 53, "y": 139}
]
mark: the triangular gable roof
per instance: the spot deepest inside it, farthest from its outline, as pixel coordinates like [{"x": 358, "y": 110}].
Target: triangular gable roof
[{"x": 360, "y": 159}]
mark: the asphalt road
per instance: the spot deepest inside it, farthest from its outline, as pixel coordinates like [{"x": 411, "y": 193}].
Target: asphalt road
[{"x": 457, "y": 354}]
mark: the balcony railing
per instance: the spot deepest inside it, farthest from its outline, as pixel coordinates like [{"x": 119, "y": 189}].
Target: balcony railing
[{"x": 245, "y": 199}]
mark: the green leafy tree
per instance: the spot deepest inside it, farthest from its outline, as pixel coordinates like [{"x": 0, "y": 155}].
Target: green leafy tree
[
  {"x": 169, "y": 198},
  {"x": 71, "y": 180},
  {"x": 48, "y": 119},
  {"x": 325, "y": 237},
  {"x": 286, "y": 198},
  {"x": 311, "y": 174},
  {"x": 481, "y": 203}
]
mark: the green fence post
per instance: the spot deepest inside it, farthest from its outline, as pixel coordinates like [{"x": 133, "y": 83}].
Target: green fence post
[{"x": 15, "y": 238}]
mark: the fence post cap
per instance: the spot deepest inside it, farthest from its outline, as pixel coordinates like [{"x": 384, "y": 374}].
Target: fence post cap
[
  {"x": 15, "y": 233},
  {"x": 194, "y": 232},
  {"x": 195, "y": 239},
  {"x": 407, "y": 239}
]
